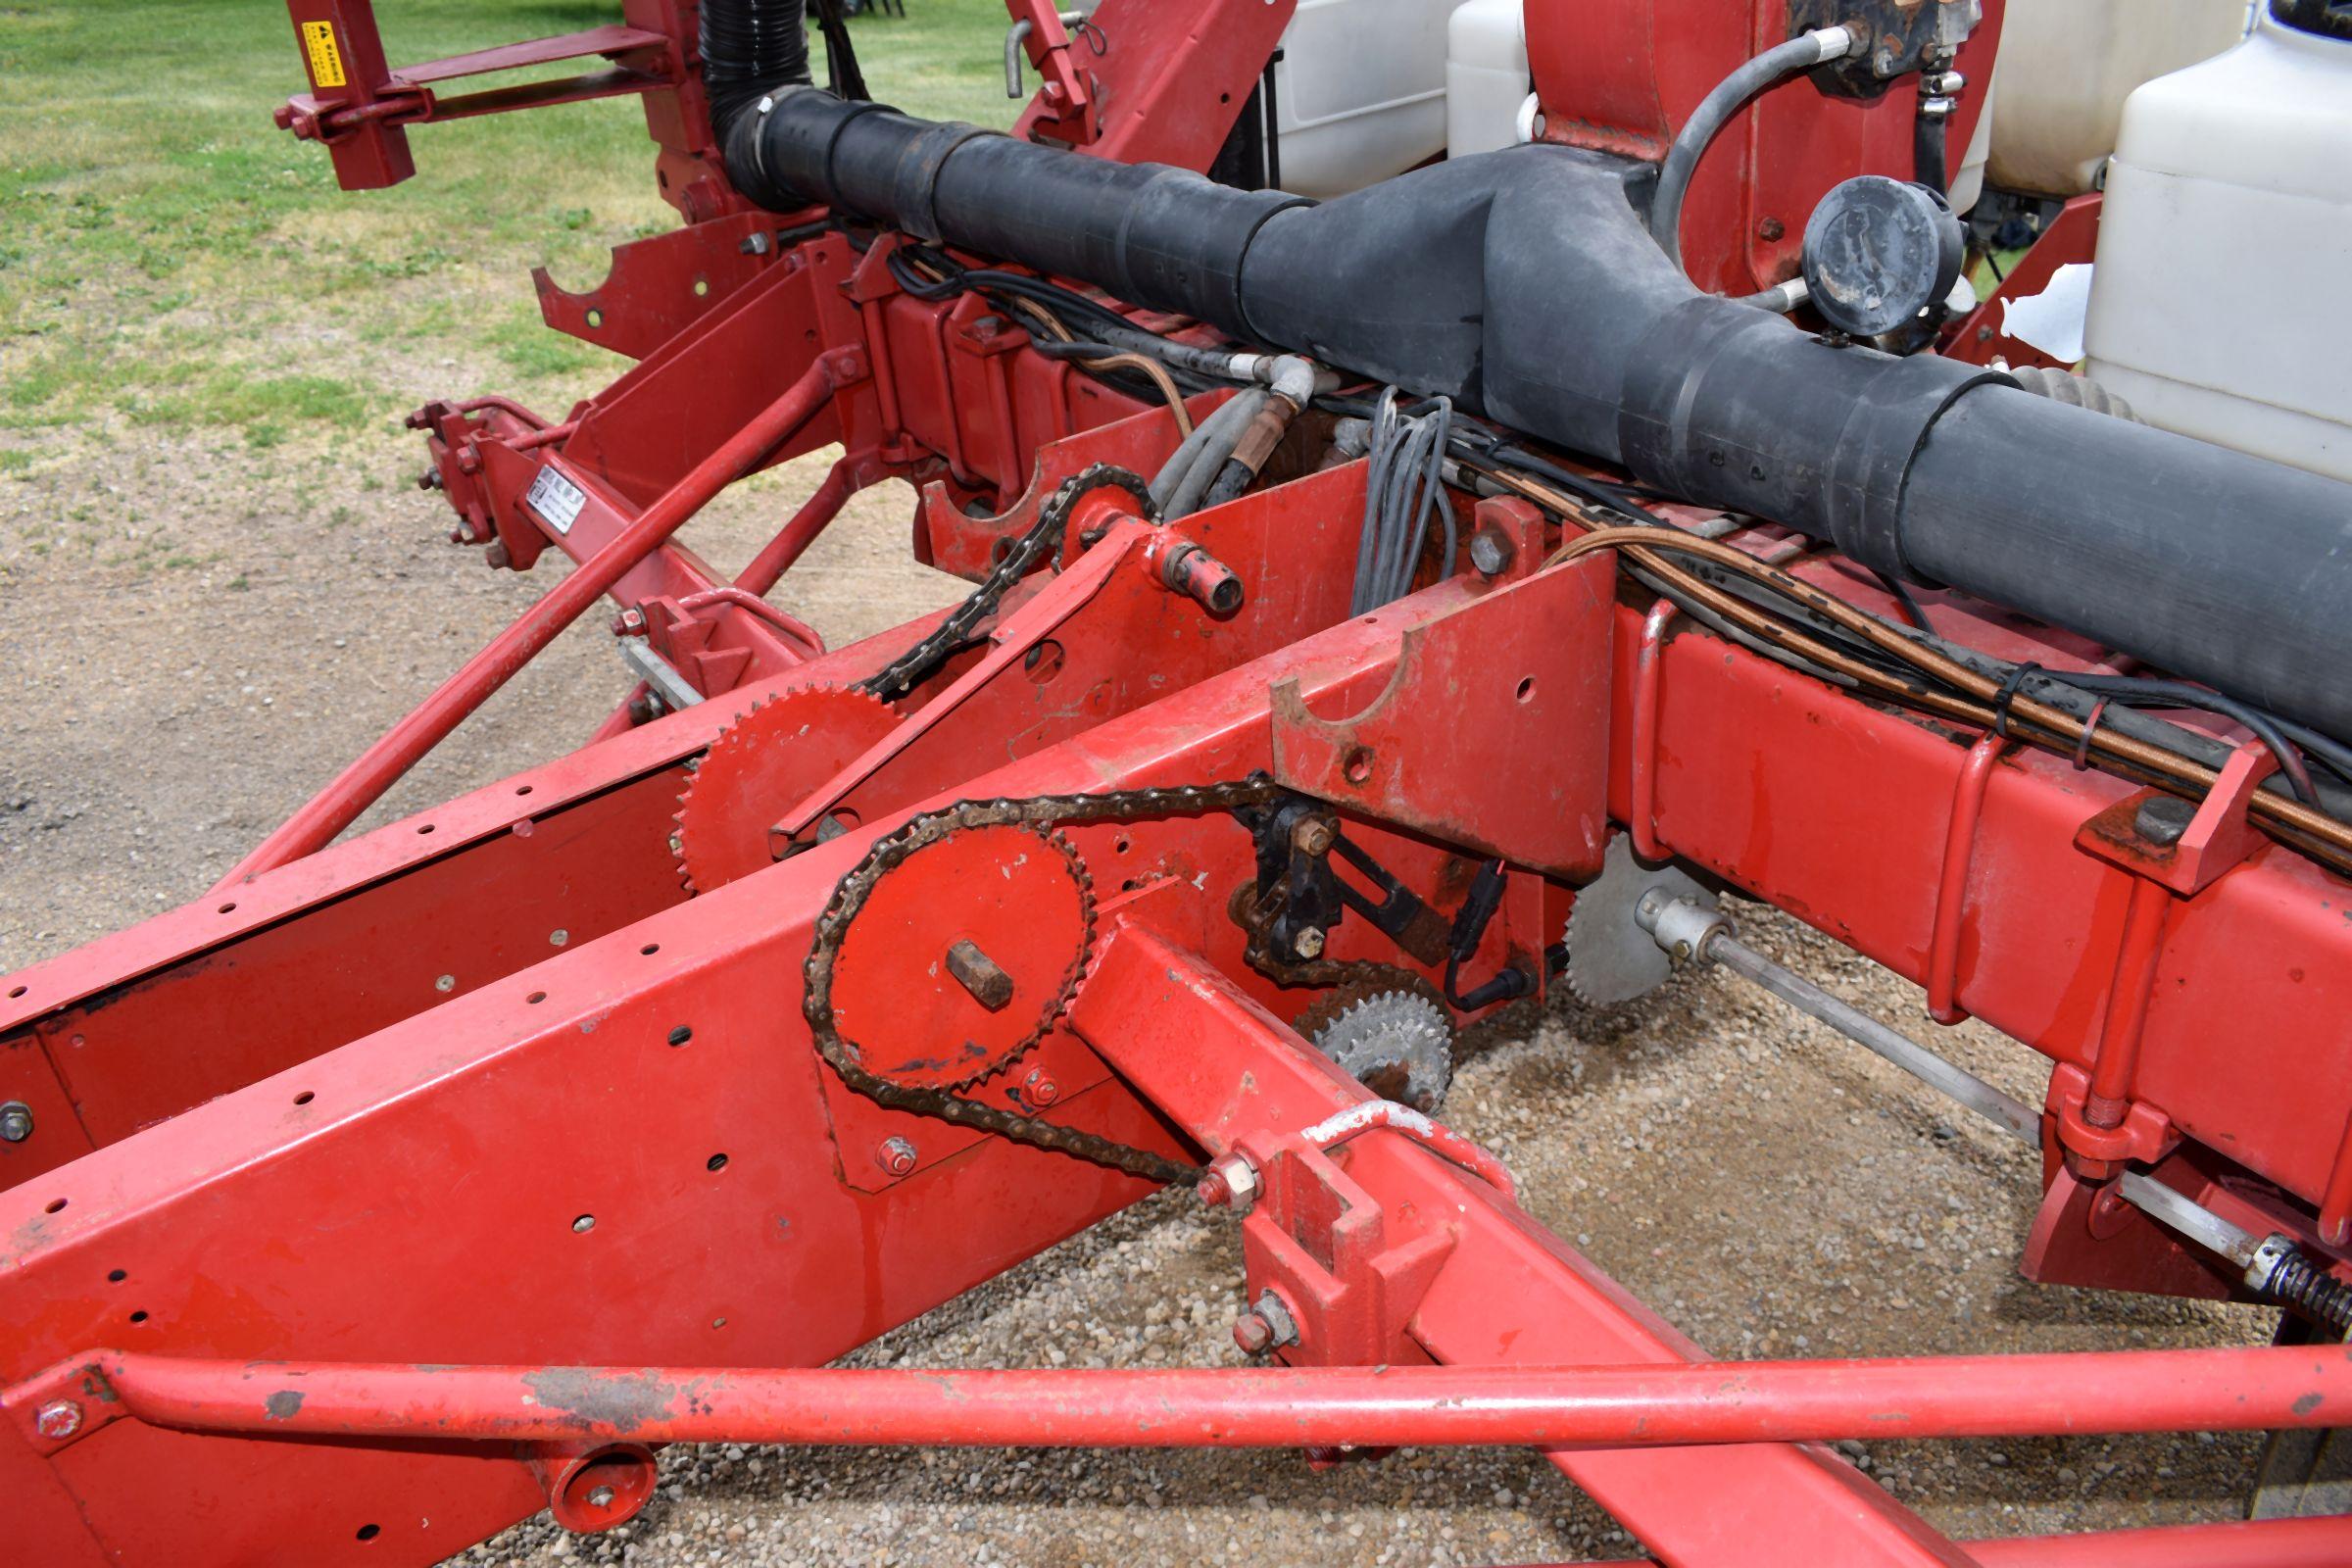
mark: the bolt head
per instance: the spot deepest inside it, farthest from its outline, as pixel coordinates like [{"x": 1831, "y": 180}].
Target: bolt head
[
  {"x": 1308, "y": 943},
  {"x": 1313, "y": 836},
  {"x": 58, "y": 1420},
  {"x": 2162, "y": 819},
  {"x": 1491, "y": 552},
  {"x": 1253, "y": 1333},
  {"x": 15, "y": 1123},
  {"x": 1040, "y": 1089},
  {"x": 896, "y": 1157}
]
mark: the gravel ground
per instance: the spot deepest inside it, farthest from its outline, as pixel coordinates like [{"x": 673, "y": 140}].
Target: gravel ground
[{"x": 1768, "y": 1186}]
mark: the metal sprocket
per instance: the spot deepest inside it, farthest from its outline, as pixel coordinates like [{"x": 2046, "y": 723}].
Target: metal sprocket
[
  {"x": 1018, "y": 897},
  {"x": 1396, "y": 1041},
  {"x": 1610, "y": 957},
  {"x": 850, "y": 897},
  {"x": 766, "y": 760}
]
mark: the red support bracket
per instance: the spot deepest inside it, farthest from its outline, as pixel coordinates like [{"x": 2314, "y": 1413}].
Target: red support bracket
[
  {"x": 2142, "y": 1134},
  {"x": 1066, "y": 108},
  {"x": 360, "y": 109},
  {"x": 1470, "y": 696}
]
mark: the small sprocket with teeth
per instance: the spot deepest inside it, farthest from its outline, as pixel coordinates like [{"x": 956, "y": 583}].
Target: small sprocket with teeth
[{"x": 1395, "y": 1041}]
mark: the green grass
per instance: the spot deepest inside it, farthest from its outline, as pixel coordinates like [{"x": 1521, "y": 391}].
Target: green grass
[{"x": 171, "y": 258}]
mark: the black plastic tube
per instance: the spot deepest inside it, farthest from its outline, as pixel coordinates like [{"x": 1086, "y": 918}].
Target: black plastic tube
[
  {"x": 750, "y": 48},
  {"x": 1770, "y": 68}
]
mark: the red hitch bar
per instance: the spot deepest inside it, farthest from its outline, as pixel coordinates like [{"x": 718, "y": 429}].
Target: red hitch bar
[
  {"x": 1672, "y": 1404},
  {"x": 360, "y": 108}
]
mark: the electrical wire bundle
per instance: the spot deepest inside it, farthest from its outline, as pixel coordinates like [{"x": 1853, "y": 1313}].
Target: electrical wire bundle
[
  {"x": 929, "y": 274},
  {"x": 1404, "y": 489}
]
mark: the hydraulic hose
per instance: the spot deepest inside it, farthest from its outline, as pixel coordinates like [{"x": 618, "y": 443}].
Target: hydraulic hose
[
  {"x": 1770, "y": 68},
  {"x": 1186, "y": 489}
]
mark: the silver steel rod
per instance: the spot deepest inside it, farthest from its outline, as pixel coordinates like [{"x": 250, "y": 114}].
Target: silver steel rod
[
  {"x": 2005, "y": 1112},
  {"x": 2151, "y": 1197}
]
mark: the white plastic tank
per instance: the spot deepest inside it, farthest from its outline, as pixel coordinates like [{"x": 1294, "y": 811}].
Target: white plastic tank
[
  {"x": 1486, "y": 75},
  {"x": 2066, "y": 68},
  {"x": 2216, "y": 305},
  {"x": 1360, "y": 91}
]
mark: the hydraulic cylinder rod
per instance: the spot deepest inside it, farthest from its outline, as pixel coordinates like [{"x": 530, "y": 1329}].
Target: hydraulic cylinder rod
[
  {"x": 1605, "y": 1406},
  {"x": 376, "y": 771}
]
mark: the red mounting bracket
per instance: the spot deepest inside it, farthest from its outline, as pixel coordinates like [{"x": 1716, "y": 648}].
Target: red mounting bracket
[
  {"x": 2144, "y": 835},
  {"x": 1489, "y": 691},
  {"x": 360, "y": 109}
]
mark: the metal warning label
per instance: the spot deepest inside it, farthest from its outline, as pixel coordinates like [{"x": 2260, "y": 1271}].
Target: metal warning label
[
  {"x": 556, "y": 499},
  {"x": 327, "y": 58}
]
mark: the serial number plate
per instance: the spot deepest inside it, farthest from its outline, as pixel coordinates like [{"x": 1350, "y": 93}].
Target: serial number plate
[{"x": 556, "y": 499}]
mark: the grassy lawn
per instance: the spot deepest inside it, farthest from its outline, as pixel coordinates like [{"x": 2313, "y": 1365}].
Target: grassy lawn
[{"x": 170, "y": 260}]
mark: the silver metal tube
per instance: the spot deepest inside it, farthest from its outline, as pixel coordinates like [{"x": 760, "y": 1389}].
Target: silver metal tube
[
  {"x": 1013, "y": 57},
  {"x": 2011, "y": 1115},
  {"x": 1709, "y": 935}
]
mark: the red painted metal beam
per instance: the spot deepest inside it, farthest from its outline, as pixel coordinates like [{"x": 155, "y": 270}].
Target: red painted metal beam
[
  {"x": 1499, "y": 1290},
  {"x": 363, "y": 782},
  {"x": 1701, "y": 1402}
]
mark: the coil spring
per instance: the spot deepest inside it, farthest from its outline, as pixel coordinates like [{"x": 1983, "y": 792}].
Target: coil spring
[{"x": 2296, "y": 1283}]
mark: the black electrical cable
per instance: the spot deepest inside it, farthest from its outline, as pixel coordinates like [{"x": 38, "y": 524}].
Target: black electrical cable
[
  {"x": 841, "y": 55},
  {"x": 1901, "y": 591},
  {"x": 2139, "y": 691},
  {"x": 1405, "y": 490}
]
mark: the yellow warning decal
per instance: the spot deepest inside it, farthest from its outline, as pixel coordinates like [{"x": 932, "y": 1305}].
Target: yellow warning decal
[{"x": 326, "y": 60}]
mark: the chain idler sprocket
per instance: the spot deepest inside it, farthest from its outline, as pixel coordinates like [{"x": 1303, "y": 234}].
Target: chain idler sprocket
[{"x": 763, "y": 762}]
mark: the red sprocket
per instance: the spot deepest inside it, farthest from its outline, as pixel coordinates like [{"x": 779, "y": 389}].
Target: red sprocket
[
  {"x": 963, "y": 956},
  {"x": 762, "y": 764}
]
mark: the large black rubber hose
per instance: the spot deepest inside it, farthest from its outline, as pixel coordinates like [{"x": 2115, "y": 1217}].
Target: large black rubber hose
[
  {"x": 1525, "y": 285},
  {"x": 750, "y": 48}
]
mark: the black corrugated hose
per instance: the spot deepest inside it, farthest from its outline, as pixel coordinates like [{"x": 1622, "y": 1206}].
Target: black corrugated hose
[{"x": 750, "y": 47}]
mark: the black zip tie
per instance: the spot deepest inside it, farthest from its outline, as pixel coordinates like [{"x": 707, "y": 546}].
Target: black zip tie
[{"x": 2008, "y": 694}]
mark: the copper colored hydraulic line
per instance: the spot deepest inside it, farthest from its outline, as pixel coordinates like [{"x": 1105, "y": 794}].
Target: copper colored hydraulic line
[
  {"x": 2318, "y": 1542},
  {"x": 1668, "y": 1404},
  {"x": 814, "y": 517},
  {"x": 2181, "y": 773},
  {"x": 2326, "y": 840},
  {"x": 359, "y": 785}
]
